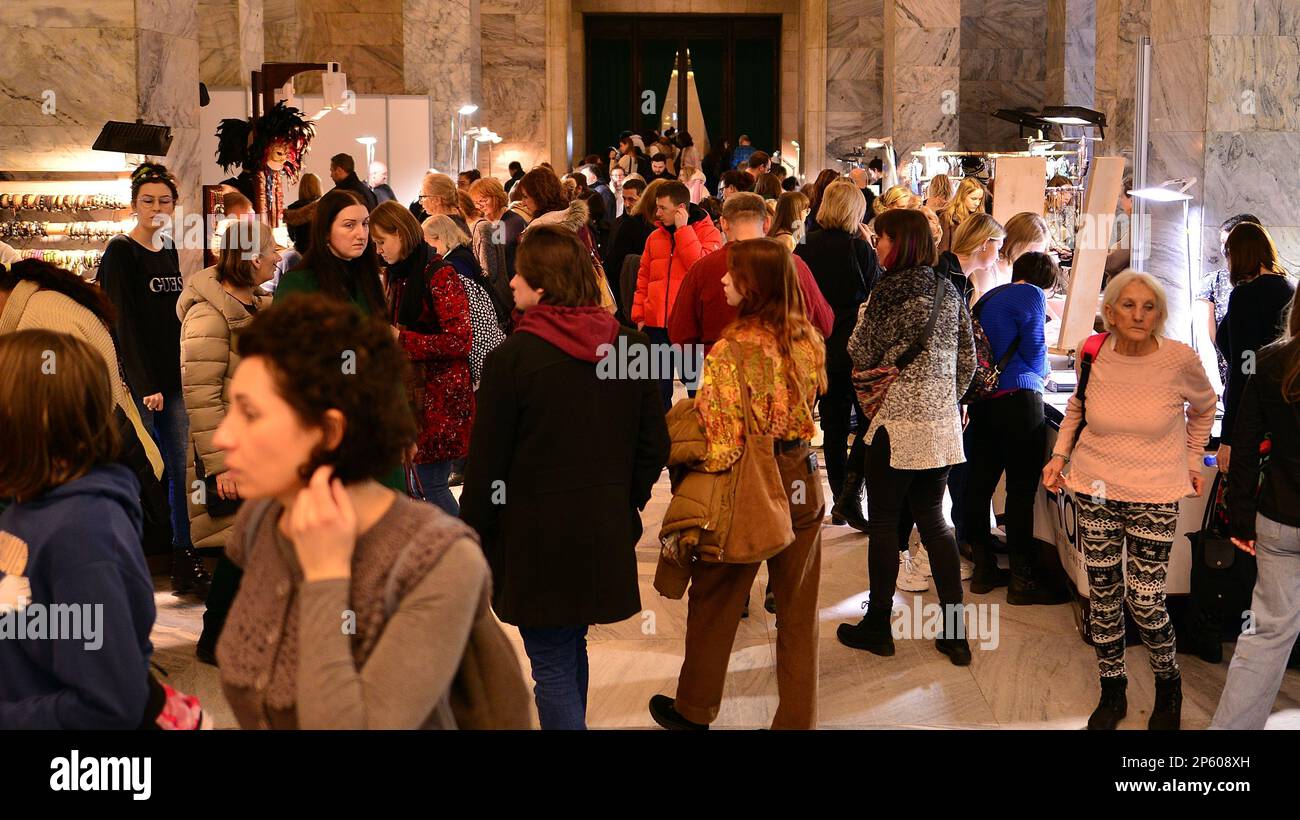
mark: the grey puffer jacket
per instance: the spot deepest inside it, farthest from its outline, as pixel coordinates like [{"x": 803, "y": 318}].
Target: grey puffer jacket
[{"x": 920, "y": 411}]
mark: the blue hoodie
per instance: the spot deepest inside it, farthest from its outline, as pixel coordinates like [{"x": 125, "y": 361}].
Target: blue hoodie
[{"x": 82, "y": 544}]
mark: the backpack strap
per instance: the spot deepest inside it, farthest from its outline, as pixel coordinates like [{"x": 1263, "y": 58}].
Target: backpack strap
[{"x": 1087, "y": 355}]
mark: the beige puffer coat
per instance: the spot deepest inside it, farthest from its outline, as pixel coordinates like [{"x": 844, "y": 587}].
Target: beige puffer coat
[{"x": 210, "y": 321}]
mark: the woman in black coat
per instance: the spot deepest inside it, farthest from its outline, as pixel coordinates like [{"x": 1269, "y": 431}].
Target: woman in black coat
[
  {"x": 563, "y": 455},
  {"x": 845, "y": 268}
]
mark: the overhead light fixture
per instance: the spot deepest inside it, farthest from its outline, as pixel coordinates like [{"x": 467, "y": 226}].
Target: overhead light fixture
[
  {"x": 467, "y": 109},
  {"x": 134, "y": 138},
  {"x": 1074, "y": 115},
  {"x": 1164, "y": 193},
  {"x": 1023, "y": 118},
  {"x": 367, "y": 140}
]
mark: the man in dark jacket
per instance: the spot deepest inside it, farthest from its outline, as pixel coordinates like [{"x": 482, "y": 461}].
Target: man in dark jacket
[
  {"x": 516, "y": 174},
  {"x": 343, "y": 170}
]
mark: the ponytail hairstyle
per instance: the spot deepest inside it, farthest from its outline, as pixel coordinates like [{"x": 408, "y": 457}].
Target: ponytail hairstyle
[
  {"x": 763, "y": 271},
  {"x": 149, "y": 172}
]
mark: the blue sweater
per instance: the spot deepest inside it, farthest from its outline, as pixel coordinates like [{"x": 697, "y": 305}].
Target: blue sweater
[
  {"x": 83, "y": 548},
  {"x": 1013, "y": 311}
]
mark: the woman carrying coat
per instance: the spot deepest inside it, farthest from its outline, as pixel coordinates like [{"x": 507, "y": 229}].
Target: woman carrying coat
[
  {"x": 551, "y": 437},
  {"x": 216, "y": 304}
]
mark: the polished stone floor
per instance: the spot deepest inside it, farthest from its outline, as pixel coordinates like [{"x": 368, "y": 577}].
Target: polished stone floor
[{"x": 1041, "y": 674}]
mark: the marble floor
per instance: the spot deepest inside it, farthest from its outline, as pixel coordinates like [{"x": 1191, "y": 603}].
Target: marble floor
[{"x": 1040, "y": 675}]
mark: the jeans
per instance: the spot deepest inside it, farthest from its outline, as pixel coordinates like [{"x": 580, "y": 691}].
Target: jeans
[
  {"x": 887, "y": 490},
  {"x": 1260, "y": 659},
  {"x": 170, "y": 428},
  {"x": 433, "y": 478},
  {"x": 558, "y": 656},
  {"x": 1007, "y": 433},
  {"x": 841, "y": 416},
  {"x": 225, "y": 586}
]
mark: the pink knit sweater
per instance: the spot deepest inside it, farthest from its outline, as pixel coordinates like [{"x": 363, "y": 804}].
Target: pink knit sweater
[{"x": 1148, "y": 421}]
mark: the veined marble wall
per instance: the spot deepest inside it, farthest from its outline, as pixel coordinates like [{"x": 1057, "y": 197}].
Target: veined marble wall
[
  {"x": 922, "y": 74},
  {"x": 69, "y": 66},
  {"x": 512, "y": 36},
  {"x": 231, "y": 41},
  {"x": 855, "y": 57},
  {"x": 1004, "y": 51},
  {"x": 1071, "y": 52},
  {"x": 440, "y": 57},
  {"x": 1120, "y": 24}
]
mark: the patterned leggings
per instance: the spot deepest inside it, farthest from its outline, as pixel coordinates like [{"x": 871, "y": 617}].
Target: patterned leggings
[{"x": 1149, "y": 529}]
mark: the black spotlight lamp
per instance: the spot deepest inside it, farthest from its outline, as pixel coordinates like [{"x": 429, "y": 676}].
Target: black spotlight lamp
[
  {"x": 1075, "y": 115},
  {"x": 1023, "y": 118},
  {"x": 134, "y": 138}
]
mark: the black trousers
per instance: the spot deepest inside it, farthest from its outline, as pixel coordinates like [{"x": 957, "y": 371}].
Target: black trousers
[
  {"x": 840, "y": 417},
  {"x": 225, "y": 585},
  {"x": 887, "y": 491},
  {"x": 1008, "y": 434}
]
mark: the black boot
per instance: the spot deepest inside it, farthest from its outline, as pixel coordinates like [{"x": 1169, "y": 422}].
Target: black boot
[
  {"x": 872, "y": 633},
  {"x": 1024, "y": 589},
  {"x": 1167, "y": 713},
  {"x": 848, "y": 504},
  {"x": 1113, "y": 705},
  {"x": 189, "y": 576},
  {"x": 988, "y": 575}
]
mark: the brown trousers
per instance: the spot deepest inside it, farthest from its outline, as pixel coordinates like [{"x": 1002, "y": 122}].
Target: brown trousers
[{"x": 718, "y": 593}]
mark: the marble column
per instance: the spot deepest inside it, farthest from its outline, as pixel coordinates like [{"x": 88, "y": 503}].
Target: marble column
[
  {"x": 1071, "y": 52},
  {"x": 854, "y": 49},
  {"x": 1120, "y": 24},
  {"x": 922, "y": 41},
  {"x": 440, "y": 51},
  {"x": 1004, "y": 57},
  {"x": 231, "y": 41}
]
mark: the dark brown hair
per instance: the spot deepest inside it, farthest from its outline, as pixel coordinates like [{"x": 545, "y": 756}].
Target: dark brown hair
[
  {"x": 544, "y": 187},
  {"x": 739, "y": 180},
  {"x": 1249, "y": 248},
  {"x": 343, "y": 279},
  {"x": 47, "y": 276},
  {"x": 242, "y": 242},
  {"x": 913, "y": 242},
  {"x": 343, "y": 161},
  {"x": 763, "y": 272},
  {"x": 56, "y": 412},
  {"x": 307, "y": 341},
  {"x": 675, "y": 192},
  {"x": 150, "y": 172},
  {"x": 552, "y": 259},
  {"x": 1035, "y": 268},
  {"x": 768, "y": 186}
]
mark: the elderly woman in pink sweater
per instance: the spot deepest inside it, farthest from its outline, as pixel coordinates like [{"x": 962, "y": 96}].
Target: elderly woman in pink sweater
[{"x": 1149, "y": 408}]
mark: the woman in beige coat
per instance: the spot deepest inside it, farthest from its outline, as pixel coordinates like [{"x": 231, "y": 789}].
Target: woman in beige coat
[{"x": 216, "y": 304}]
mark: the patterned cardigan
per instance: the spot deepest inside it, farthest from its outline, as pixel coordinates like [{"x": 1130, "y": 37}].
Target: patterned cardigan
[{"x": 920, "y": 411}]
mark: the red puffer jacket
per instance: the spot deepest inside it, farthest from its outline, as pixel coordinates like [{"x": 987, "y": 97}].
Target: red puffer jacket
[{"x": 667, "y": 258}]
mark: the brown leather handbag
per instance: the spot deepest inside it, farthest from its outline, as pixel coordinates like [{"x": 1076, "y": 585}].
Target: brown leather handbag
[{"x": 760, "y": 509}]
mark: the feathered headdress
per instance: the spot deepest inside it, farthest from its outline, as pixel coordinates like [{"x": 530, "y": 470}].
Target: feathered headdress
[{"x": 246, "y": 145}]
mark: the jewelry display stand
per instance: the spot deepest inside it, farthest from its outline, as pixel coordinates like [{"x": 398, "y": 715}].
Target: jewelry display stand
[{"x": 64, "y": 217}]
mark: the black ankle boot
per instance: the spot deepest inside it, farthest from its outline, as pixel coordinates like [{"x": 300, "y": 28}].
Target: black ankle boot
[
  {"x": 988, "y": 575},
  {"x": 957, "y": 650},
  {"x": 872, "y": 633},
  {"x": 1023, "y": 587},
  {"x": 189, "y": 576},
  {"x": 664, "y": 711},
  {"x": 1167, "y": 713},
  {"x": 1113, "y": 705},
  {"x": 848, "y": 504}
]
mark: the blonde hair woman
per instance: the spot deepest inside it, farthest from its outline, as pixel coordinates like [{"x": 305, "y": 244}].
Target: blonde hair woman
[
  {"x": 1025, "y": 232},
  {"x": 899, "y": 196},
  {"x": 939, "y": 192},
  {"x": 787, "y": 222},
  {"x": 969, "y": 199},
  {"x": 1150, "y": 409},
  {"x": 971, "y": 264}
]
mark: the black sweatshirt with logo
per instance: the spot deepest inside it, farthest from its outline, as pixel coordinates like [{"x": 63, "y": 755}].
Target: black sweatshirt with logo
[{"x": 143, "y": 286}]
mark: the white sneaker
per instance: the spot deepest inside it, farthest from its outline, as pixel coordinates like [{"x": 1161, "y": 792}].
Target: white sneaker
[
  {"x": 921, "y": 560},
  {"x": 967, "y": 570},
  {"x": 909, "y": 578}
]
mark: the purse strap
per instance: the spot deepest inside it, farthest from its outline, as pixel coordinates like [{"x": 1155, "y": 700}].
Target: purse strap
[
  {"x": 915, "y": 350},
  {"x": 746, "y": 409}
]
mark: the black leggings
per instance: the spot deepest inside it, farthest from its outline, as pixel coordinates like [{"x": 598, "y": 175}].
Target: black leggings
[
  {"x": 1008, "y": 434},
  {"x": 840, "y": 416},
  {"x": 887, "y": 490}
]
